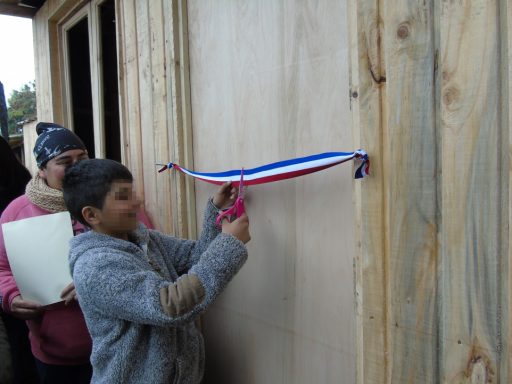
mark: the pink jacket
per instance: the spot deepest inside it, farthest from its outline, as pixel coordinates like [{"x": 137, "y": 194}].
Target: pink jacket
[{"x": 59, "y": 336}]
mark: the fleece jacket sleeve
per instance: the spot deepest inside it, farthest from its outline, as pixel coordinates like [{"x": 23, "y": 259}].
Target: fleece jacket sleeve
[
  {"x": 183, "y": 254},
  {"x": 114, "y": 284}
]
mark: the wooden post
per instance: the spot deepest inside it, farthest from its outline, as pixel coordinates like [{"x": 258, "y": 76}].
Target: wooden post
[{"x": 3, "y": 114}]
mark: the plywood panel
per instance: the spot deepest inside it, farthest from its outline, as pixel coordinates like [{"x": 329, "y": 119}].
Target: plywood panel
[{"x": 269, "y": 81}]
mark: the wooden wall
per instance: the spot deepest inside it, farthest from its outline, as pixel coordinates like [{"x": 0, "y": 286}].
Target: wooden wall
[
  {"x": 153, "y": 85},
  {"x": 430, "y": 96},
  {"x": 423, "y": 86},
  {"x": 146, "y": 100},
  {"x": 269, "y": 82}
]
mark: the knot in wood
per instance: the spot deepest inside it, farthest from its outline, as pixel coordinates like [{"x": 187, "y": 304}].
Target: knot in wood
[
  {"x": 451, "y": 95},
  {"x": 480, "y": 368},
  {"x": 403, "y": 31}
]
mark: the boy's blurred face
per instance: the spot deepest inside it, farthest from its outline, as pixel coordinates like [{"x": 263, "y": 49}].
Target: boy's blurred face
[
  {"x": 118, "y": 216},
  {"x": 53, "y": 170}
]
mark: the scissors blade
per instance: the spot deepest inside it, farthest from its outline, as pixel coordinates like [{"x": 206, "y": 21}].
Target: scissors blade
[{"x": 241, "y": 188}]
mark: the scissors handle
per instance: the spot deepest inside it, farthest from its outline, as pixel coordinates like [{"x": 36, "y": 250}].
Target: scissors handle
[{"x": 238, "y": 208}]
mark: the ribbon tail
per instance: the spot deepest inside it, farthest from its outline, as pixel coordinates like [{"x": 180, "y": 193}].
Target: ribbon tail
[
  {"x": 364, "y": 169},
  {"x": 165, "y": 167}
]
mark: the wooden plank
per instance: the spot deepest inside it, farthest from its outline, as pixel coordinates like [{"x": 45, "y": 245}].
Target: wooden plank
[
  {"x": 146, "y": 144},
  {"x": 62, "y": 10},
  {"x": 161, "y": 195},
  {"x": 96, "y": 64},
  {"x": 410, "y": 191},
  {"x": 472, "y": 184},
  {"x": 121, "y": 82},
  {"x": 130, "y": 106},
  {"x": 369, "y": 119},
  {"x": 505, "y": 13},
  {"x": 171, "y": 123},
  {"x": 55, "y": 52},
  {"x": 178, "y": 86},
  {"x": 42, "y": 65}
]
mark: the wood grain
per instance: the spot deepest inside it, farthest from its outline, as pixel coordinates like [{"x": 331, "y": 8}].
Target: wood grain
[
  {"x": 217, "y": 85},
  {"x": 410, "y": 181},
  {"x": 442, "y": 219},
  {"x": 367, "y": 91},
  {"x": 269, "y": 81},
  {"x": 472, "y": 187}
]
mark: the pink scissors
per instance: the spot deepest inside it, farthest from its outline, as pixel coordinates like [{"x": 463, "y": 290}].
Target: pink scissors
[{"x": 238, "y": 208}]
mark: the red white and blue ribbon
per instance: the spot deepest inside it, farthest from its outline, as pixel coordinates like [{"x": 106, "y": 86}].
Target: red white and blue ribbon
[{"x": 281, "y": 170}]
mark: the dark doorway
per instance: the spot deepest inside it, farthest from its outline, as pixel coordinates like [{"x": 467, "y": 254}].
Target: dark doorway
[
  {"x": 80, "y": 76},
  {"x": 110, "y": 84}
]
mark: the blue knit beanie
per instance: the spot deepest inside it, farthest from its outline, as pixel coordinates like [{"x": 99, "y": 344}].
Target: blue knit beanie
[{"x": 53, "y": 140}]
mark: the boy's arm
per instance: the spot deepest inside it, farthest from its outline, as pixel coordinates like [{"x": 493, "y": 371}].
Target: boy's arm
[
  {"x": 117, "y": 286},
  {"x": 185, "y": 253}
]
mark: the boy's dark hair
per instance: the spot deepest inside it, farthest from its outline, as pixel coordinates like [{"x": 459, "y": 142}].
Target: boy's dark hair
[{"x": 87, "y": 183}]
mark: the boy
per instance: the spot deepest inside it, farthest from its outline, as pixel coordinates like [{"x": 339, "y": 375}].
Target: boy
[{"x": 140, "y": 290}]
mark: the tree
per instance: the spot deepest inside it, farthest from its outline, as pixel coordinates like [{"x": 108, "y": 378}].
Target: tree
[{"x": 22, "y": 106}]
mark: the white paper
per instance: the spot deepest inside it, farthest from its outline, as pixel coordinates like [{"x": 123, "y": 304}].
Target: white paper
[{"x": 37, "y": 249}]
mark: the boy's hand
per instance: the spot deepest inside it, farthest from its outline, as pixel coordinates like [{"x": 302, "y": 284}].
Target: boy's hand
[
  {"x": 238, "y": 228},
  {"x": 68, "y": 294},
  {"x": 225, "y": 196},
  {"x": 25, "y": 309}
]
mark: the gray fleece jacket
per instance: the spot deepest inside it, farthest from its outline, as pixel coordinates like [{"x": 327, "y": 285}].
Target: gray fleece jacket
[{"x": 140, "y": 299}]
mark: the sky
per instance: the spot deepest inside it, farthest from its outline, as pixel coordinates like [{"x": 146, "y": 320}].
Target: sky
[{"x": 16, "y": 53}]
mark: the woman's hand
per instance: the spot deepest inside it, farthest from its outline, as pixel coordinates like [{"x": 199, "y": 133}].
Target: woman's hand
[{"x": 25, "y": 309}]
